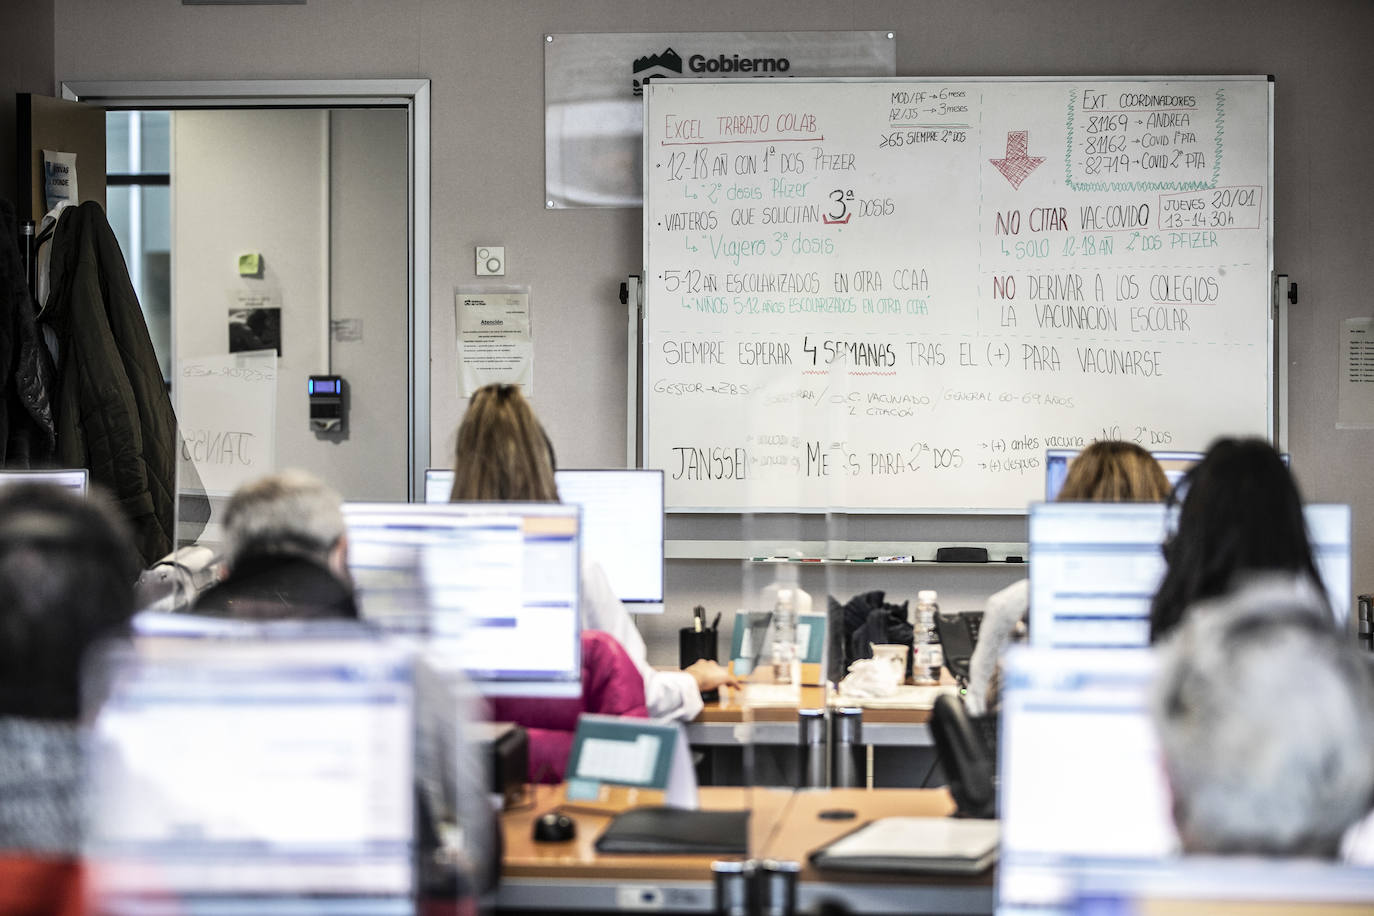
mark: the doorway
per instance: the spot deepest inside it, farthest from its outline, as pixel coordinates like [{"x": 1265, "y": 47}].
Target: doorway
[{"x": 322, "y": 241}]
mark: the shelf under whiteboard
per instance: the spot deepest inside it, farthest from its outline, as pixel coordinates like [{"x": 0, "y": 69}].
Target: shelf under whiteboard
[{"x": 839, "y": 553}]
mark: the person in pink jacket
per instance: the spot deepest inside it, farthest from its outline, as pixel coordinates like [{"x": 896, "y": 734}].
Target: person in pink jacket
[
  {"x": 503, "y": 454},
  {"x": 611, "y": 686}
]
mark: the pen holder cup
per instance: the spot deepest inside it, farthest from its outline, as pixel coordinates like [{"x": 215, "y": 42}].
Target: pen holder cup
[{"x": 693, "y": 645}]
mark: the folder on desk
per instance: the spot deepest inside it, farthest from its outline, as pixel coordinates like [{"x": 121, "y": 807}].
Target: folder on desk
[
  {"x": 677, "y": 831},
  {"x": 914, "y": 844}
]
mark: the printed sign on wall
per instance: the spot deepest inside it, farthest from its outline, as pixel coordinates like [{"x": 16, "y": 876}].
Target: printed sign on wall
[{"x": 494, "y": 338}]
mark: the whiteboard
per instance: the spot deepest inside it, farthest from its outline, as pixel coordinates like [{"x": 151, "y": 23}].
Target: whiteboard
[{"x": 892, "y": 295}]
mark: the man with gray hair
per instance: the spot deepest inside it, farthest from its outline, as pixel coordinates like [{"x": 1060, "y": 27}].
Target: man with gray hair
[
  {"x": 1264, "y": 720},
  {"x": 286, "y": 552}
]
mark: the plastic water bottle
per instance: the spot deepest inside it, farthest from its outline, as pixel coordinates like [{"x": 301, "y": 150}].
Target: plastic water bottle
[
  {"x": 785, "y": 598},
  {"x": 929, "y": 654},
  {"x": 784, "y": 637}
]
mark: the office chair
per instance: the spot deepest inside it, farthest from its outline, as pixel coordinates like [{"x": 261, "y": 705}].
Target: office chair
[{"x": 969, "y": 763}]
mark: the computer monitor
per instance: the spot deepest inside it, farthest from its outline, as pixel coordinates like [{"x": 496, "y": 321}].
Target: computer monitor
[
  {"x": 1057, "y": 461},
  {"x": 1225, "y": 886},
  {"x": 1081, "y": 788},
  {"x": 1175, "y": 465},
  {"x": 1095, "y": 567},
  {"x": 495, "y": 587},
  {"x": 1328, "y": 531},
  {"x": 622, "y": 530},
  {"x": 254, "y": 776},
  {"x": 438, "y": 484},
  {"x": 622, "y": 526},
  {"x": 74, "y": 479},
  {"x": 187, "y": 625}
]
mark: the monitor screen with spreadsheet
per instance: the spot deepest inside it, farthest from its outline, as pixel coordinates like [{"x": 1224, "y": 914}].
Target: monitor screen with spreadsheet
[
  {"x": 1081, "y": 786},
  {"x": 622, "y": 526},
  {"x": 273, "y": 771},
  {"x": 438, "y": 484},
  {"x": 1095, "y": 567},
  {"x": 1233, "y": 885},
  {"x": 74, "y": 479},
  {"x": 494, "y": 587}
]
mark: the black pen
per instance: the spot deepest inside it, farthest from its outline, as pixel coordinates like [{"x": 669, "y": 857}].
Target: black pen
[{"x": 716, "y": 623}]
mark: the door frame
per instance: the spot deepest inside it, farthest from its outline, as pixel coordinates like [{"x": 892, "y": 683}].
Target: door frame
[{"x": 409, "y": 94}]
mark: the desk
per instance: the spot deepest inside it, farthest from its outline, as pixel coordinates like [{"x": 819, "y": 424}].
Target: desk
[
  {"x": 730, "y": 722},
  {"x": 719, "y": 722},
  {"x": 785, "y": 825},
  {"x": 574, "y": 876},
  {"x": 803, "y": 830},
  {"x": 781, "y": 754},
  {"x": 894, "y": 727}
]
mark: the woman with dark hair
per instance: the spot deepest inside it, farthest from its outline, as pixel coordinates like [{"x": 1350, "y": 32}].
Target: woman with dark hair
[
  {"x": 502, "y": 453},
  {"x": 1241, "y": 514}
]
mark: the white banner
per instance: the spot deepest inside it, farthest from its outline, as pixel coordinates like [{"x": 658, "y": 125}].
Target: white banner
[{"x": 593, "y": 120}]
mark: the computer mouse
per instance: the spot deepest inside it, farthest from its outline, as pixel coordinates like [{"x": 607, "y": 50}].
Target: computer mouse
[{"x": 554, "y": 827}]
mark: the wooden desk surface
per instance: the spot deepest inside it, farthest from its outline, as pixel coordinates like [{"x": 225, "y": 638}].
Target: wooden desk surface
[
  {"x": 730, "y": 708},
  {"x": 909, "y": 716},
  {"x": 578, "y": 858},
  {"x": 802, "y": 829},
  {"x": 785, "y": 825}
]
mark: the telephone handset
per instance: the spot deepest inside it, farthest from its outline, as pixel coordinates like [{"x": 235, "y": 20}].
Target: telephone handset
[{"x": 969, "y": 764}]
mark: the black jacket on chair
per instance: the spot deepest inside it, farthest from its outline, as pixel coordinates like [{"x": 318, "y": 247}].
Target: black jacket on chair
[
  {"x": 112, "y": 409},
  {"x": 278, "y": 587}
]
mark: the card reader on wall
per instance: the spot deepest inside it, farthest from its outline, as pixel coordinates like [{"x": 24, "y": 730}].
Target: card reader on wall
[{"x": 326, "y": 403}]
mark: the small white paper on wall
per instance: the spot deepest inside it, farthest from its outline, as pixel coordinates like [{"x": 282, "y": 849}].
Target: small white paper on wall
[
  {"x": 59, "y": 178},
  {"x": 1355, "y": 387}
]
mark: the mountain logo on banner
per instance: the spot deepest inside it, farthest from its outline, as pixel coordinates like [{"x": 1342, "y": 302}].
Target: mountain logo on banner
[
  {"x": 646, "y": 68},
  {"x": 669, "y": 63}
]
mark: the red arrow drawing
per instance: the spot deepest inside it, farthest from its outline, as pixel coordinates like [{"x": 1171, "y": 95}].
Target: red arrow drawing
[{"x": 1017, "y": 165}]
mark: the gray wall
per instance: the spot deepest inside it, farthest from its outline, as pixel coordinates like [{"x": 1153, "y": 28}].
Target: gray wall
[
  {"x": 484, "y": 58},
  {"x": 26, "y": 65}
]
